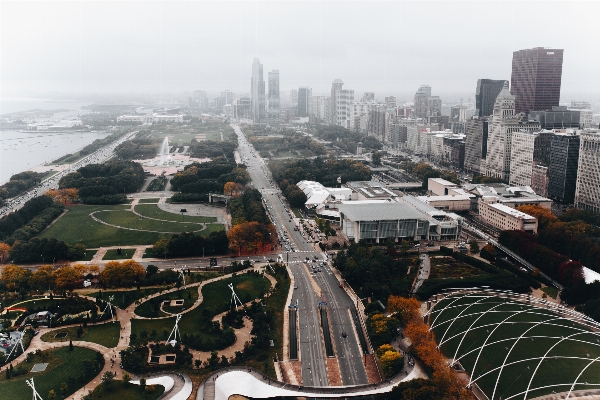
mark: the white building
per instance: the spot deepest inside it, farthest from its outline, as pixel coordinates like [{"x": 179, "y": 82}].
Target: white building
[
  {"x": 149, "y": 119},
  {"x": 507, "y": 218},
  {"x": 521, "y": 157},
  {"x": 504, "y": 124},
  {"x": 340, "y": 105},
  {"x": 439, "y": 186},
  {"x": 587, "y": 192},
  {"x": 318, "y": 194}
]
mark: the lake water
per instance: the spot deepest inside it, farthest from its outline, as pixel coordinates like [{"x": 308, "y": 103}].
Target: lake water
[{"x": 20, "y": 151}]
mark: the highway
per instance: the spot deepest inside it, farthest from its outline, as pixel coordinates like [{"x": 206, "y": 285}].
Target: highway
[{"x": 312, "y": 287}]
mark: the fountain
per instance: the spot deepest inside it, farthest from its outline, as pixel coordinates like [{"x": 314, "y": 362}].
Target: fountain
[{"x": 165, "y": 158}]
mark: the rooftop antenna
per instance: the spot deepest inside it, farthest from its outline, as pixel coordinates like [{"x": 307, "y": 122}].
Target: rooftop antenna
[
  {"x": 182, "y": 274},
  {"x": 19, "y": 342},
  {"x": 109, "y": 306},
  {"x": 175, "y": 332},
  {"x": 36, "y": 395},
  {"x": 234, "y": 297}
]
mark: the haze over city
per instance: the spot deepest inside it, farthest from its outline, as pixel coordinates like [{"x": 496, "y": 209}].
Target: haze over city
[{"x": 390, "y": 48}]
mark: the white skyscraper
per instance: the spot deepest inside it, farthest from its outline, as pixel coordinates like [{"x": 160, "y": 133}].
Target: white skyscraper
[
  {"x": 257, "y": 92},
  {"x": 340, "y": 105}
]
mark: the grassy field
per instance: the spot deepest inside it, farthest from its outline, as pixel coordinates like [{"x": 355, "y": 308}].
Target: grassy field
[
  {"x": 129, "y": 391},
  {"x": 538, "y": 349},
  {"x": 113, "y": 254},
  {"x": 152, "y": 211},
  {"x": 124, "y": 298},
  {"x": 550, "y": 291},
  {"x": 95, "y": 234},
  {"x": 448, "y": 267},
  {"x": 189, "y": 297},
  {"x": 62, "y": 364},
  {"x": 106, "y": 334},
  {"x": 39, "y": 303},
  {"x": 216, "y": 298},
  {"x": 148, "y": 201},
  {"x": 127, "y": 219}
]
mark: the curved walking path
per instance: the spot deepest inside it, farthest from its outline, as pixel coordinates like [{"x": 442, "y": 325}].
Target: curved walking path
[{"x": 139, "y": 230}]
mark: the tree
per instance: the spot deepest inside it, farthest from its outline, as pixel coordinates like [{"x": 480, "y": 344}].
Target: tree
[
  {"x": 383, "y": 348},
  {"x": 15, "y": 277},
  {"x": 43, "y": 278},
  {"x": 4, "y": 251},
  {"x": 107, "y": 380},
  {"x": 391, "y": 362},
  {"x": 126, "y": 377},
  {"x": 52, "y": 395},
  {"x": 376, "y": 157},
  {"x": 122, "y": 274},
  {"x": 66, "y": 278},
  {"x": 143, "y": 384},
  {"x": 64, "y": 388},
  {"x": 474, "y": 246}
]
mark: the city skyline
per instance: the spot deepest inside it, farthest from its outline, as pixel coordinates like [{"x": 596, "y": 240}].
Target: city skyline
[{"x": 99, "y": 48}]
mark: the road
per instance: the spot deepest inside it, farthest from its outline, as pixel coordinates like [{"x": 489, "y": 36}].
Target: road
[
  {"x": 99, "y": 156},
  {"x": 312, "y": 287}
]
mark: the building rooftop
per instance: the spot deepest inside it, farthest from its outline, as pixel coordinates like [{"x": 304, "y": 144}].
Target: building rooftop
[
  {"x": 511, "y": 211},
  {"x": 442, "y": 182},
  {"x": 371, "y": 189},
  {"x": 383, "y": 211}
]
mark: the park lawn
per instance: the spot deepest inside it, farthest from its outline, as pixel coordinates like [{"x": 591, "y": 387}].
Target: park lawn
[
  {"x": 129, "y": 391},
  {"x": 39, "y": 303},
  {"x": 216, "y": 299},
  {"x": 174, "y": 138},
  {"x": 148, "y": 201},
  {"x": 153, "y": 211},
  {"x": 124, "y": 298},
  {"x": 189, "y": 297},
  {"x": 62, "y": 364},
  {"x": 95, "y": 234},
  {"x": 550, "y": 291},
  {"x": 106, "y": 334},
  {"x": 112, "y": 254},
  {"x": 296, "y": 212},
  {"x": 127, "y": 219},
  {"x": 536, "y": 341}
]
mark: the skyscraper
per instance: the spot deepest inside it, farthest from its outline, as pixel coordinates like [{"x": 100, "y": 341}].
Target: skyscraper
[
  {"x": 587, "y": 192},
  {"x": 304, "y": 102},
  {"x": 535, "y": 79},
  {"x": 257, "y": 92},
  {"x": 485, "y": 96},
  {"x": 340, "y": 105},
  {"x": 562, "y": 171},
  {"x": 274, "y": 100},
  {"x": 421, "y": 101}
]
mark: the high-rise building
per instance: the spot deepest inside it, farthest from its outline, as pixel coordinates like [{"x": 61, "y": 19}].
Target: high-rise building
[
  {"x": 587, "y": 192},
  {"x": 227, "y": 96},
  {"x": 580, "y": 105},
  {"x": 257, "y": 92},
  {"x": 475, "y": 143},
  {"x": 503, "y": 124},
  {"x": 434, "y": 106},
  {"x": 539, "y": 179},
  {"x": 320, "y": 107},
  {"x": 458, "y": 119},
  {"x": 557, "y": 118},
  {"x": 304, "y": 102},
  {"x": 241, "y": 108},
  {"x": 521, "y": 157},
  {"x": 273, "y": 104},
  {"x": 485, "y": 96},
  {"x": 368, "y": 96},
  {"x": 542, "y": 147},
  {"x": 421, "y": 97},
  {"x": 294, "y": 97},
  {"x": 390, "y": 101},
  {"x": 200, "y": 97},
  {"x": 562, "y": 170},
  {"x": 535, "y": 79},
  {"x": 340, "y": 105}
]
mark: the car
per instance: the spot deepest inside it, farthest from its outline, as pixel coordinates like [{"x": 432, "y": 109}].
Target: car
[
  {"x": 418, "y": 245},
  {"x": 340, "y": 285},
  {"x": 344, "y": 335},
  {"x": 295, "y": 287}
]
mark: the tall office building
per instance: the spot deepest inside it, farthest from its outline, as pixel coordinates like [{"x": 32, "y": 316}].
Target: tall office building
[
  {"x": 304, "y": 102},
  {"x": 390, "y": 101},
  {"x": 562, "y": 170},
  {"x": 521, "y": 157},
  {"x": 535, "y": 79},
  {"x": 200, "y": 96},
  {"x": 368, "y": 96},
  {"x": 587, "y": 192},
  {"x": 475, "y": 143},
  {"x": 485, "y": 96},
  {"x": 421, "y": 97},
  {"x": 557, "y": 118},
  {"x": 434, "y": 106},
  {"x": 340, "y": 105},
  {"x": 227, "y": 97},
  {"x": 273, "y": 104},
  {"x": 294, "y": 97},
  {"x": 257, "y": 92},
  {"x": 503, "y": 124}
]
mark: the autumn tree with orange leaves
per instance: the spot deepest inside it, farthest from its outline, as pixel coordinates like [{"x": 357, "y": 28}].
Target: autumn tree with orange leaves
[
  {"x": 250, "y": 235},
  {"x": 66, "y": 196},
  {"x": 425, "y": 348},
  {"x": 122, "y": 274},
  {"x": 4, "y": 250}
]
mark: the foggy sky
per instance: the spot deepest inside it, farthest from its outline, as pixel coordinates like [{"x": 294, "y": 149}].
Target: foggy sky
[{"x": 384, "y": 47}]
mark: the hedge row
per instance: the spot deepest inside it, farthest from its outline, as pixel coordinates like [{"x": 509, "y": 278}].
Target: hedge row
[{"x": 37, "y": 224}]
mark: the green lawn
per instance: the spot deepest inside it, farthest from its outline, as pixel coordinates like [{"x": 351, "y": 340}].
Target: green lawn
[
  {"x": 62, "y": 364},
  {"x": 129, "y": 391},
  {"x": 39, "y": 303},
  {"x": 189, "y": 297},
  {"x": 148, "y": 201},
  {"x": 530, "y": 340},
  {"x": 123, "y": 298},
  {"x": 106, "y": 334},
  {"x": 216, "y": 298},
  {"x": 127, "y": 219},
  {"x": 95, "y": 234},
  {"x": 550, "y": 291},
  {"x": 153, "y": 211},
  {"x": 113, "y": 254}
]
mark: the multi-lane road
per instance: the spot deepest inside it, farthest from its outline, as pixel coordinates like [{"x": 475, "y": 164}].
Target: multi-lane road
[{"x": 312, "y": 288}]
